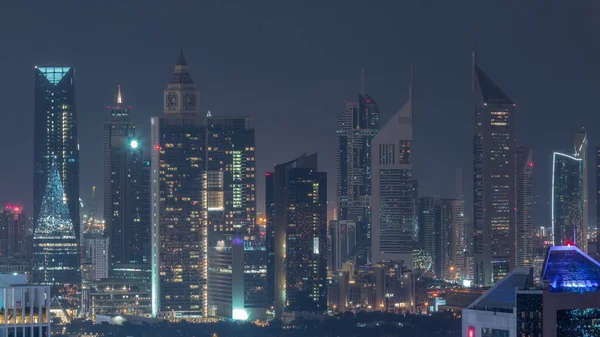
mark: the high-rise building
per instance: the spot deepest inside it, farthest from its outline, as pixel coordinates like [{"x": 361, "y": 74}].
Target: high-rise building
[
  {"x": 55, "y": 248},
  {"x": 494, "y": 182},
  {"x": 343, "y": 242},
  {"x": 126, "y": 189},
  {"x": 300, "y": 235},
  {"x": 450, "y": 241},
  {"x": 598, "y": 196},
  {"x": 55, "y": 137},
  {"x": 178, "y": 199},
  {"x": 524, "y": 203},
  {"x": 427, "y": 229},
  {"x": 270, "y": 235},
  {"x": 392, "y": 200},
  {"x": 26, "y": 307},
  {"x": 231, "y": 173},
  {"x": 356, "y": 128},
  {"x": 12, "y": 232},
  {"x": 580, "y": 147},
  {"x": 567, "y": 201},
  {"x": 95, "y": 248}
]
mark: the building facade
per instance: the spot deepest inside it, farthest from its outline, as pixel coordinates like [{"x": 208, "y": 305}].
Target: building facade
[
  {"x": 524, "y": 203},
  {"x": 300, "y": 236},
  {"x": 55, "y": 137},
  {"x": 55, "y": 247},
  {"x": 25, "y": 308},
  {"x": 126, "y": 189},
  {"x": 580, "y": 147},
  {"x": 567, "y": 201},
  {"x": 392, "y": 200},
  {"x": 12, "y": 232},
  {"x": 356, "y": 128},
  {"x": 178, "y": 201},
  {"x": 343, "y": 242},
  {"x": 95, "y": 248},
  {"x": 494, "y": 199}
]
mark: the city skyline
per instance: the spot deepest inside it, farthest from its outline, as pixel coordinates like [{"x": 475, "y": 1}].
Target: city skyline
[{"x": 384, "y": 80}]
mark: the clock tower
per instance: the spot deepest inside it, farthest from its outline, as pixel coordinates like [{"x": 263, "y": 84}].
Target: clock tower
[{"x": 181, "y": 96}]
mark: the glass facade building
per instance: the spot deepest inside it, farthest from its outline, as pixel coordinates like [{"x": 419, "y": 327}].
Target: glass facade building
[
  {"x": 300, "y": 236},
  {"x": 12, "y": 232},
  {"x": 524, "y": 203},
  {"x": 356, "y": 128},
  {"x": 55, "y": 137},
  {"x": 494, "y": 184},
  {"x": 567, "y": 201}
]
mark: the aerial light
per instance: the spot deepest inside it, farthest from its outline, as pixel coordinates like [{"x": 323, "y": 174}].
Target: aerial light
[
  {"x": 239, "y": 314},
  {"x": 134, "y": 144}
]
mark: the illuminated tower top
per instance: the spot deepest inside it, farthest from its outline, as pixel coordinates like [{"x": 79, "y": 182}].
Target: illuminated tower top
[
  {"x": 181, "y": 96},
  {"x": 54, "y": 220}
]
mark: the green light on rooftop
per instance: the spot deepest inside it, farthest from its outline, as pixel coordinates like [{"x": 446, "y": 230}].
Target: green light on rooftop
[{"x": 54, "y": 74}]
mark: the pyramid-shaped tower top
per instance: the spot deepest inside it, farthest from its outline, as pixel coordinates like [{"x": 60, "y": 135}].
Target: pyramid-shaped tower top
[
  {"x": 54, "y": 218},
  {"x": 181, "y": 76},
  {"x": 489, "y": 90}
]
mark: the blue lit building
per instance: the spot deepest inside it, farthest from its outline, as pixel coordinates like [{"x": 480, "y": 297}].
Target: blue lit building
[
  {"x": 567, "y": 201},
  {"x": 565, "y": 303},
  {"x": 55, "y": 137}
]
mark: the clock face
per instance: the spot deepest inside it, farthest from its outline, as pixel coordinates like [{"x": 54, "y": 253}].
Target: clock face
[
  {"x": 171, "y": 100},
  {"x": 190, "y": 101}
]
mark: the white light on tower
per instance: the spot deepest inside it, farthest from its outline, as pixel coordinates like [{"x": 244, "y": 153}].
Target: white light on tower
[{"x": 134, "y": 144}]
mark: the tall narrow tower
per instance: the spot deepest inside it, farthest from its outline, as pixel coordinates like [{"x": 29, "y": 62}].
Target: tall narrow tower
[
  {"x": 178, "y": 200},
  {"x": 55, "y": 137},
  {"x": 580, "y": 145},
  {"x": 392, "y": 201},
  {"x": 524, "y": 203},
  {"x": 494, "y": 169}
]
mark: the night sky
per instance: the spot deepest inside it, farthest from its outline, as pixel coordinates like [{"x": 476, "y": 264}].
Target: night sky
[{"x": 291, "y": 65}]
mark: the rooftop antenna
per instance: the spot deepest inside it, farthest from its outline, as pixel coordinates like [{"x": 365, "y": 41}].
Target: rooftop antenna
[{"x": 119, "y": 98}]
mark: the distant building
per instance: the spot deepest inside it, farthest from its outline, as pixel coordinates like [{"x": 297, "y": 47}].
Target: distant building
[
  {"x": 356, "y": 128},
  {"x": 494, "y": 199},
  {"x": 564, "y": 304},
  {"x": 392, "y": 201},
  {"x": 25, "y": 308},
  {"x": 524, "y": 204},
  {"x": 12, "y": 232},
  {"x": 56, "y": 258},
  {"x": 598, "y": 196},
  {"x": 580, "y": 147},
  {"x": 111, "y": 298},
  {"x": 95, "y": 248},
  {"x": 56, "y": 138},
  {"x": 343, "y": 242},
  {"x": 126, "y": 189},
  {"x": 300, "y": 236},
  {"x": 237, "y": 278},
  {"x": 567, "y": 201},
  {"x": 178, "y": 225}
]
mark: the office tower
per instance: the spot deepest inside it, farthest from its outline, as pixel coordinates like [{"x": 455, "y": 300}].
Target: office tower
[
  {"x": 55, "y": 248},
  {"x": 580, "y": 146},
  {"x": 451, "y": 244},
  {"x": 300, "y": 235},
  {"x": 567, "y": 201},
  {"x": 356, "y": 128},
  {"x": 415, "y": 198},
  {"x": 343, "y": 242},
  {"x": 524, "y": 203},
  {"x": 95, "y": 248},
  {"x": 392, "y": 200},
  {"x": 494, "y": 180},
  {"x": 270, "y": 235},
  {"x": 231, "y": 173},
  {"x": 178, "y": 219},
  {"x": 126, "y": 191},
  {"x": 55, "y": 138},
  {"x": 12, "y": 232},
  {"x": 427, "y": 229},
  {"x": 237, "y": 277}
]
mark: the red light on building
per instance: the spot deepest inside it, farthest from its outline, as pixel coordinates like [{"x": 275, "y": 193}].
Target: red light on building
[
  {"x": 568, "y": 243},
  {"x": 268, "y": 174},
  {"x": 531, "y": 164},
  {"x": 8, "y": 206},
  {"x": 470, "y": 331},
  {"x": 17, "y": 209},
  {"x": 157, "y": 147}
]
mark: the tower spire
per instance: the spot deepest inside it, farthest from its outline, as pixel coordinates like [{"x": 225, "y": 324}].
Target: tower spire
[
  {"x": 362, "y": 82},
  {"x": 119, "y": 97}
]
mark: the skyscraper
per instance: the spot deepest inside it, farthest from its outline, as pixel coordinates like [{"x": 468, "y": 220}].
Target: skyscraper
[
  {"x": 343, "y": 242},
  {"x": 178, "y": 199},
  {"x": 580, "y": 146},
  {"x": 55, "y": 248},
  {"x": 55, "y": 137},
  {"x": 450, "y": 241},
  {"x": 598, "y": 194},
  {"x": 392, "y": 200},
  {"x": 270, "y": 235},
  {"x": 300, "y": 236},
  {"x": 231, "y": 173},
  {"x": 12, "y": 232},
  {"x": 427, "y": 228},
  {"x": 494, "y": 180},
  {"x": 356, "y": 128},
  {"x": 126, "y": 192},
  {"x": 567, "y": 201},
  {"x": 524, "y": 203}
]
